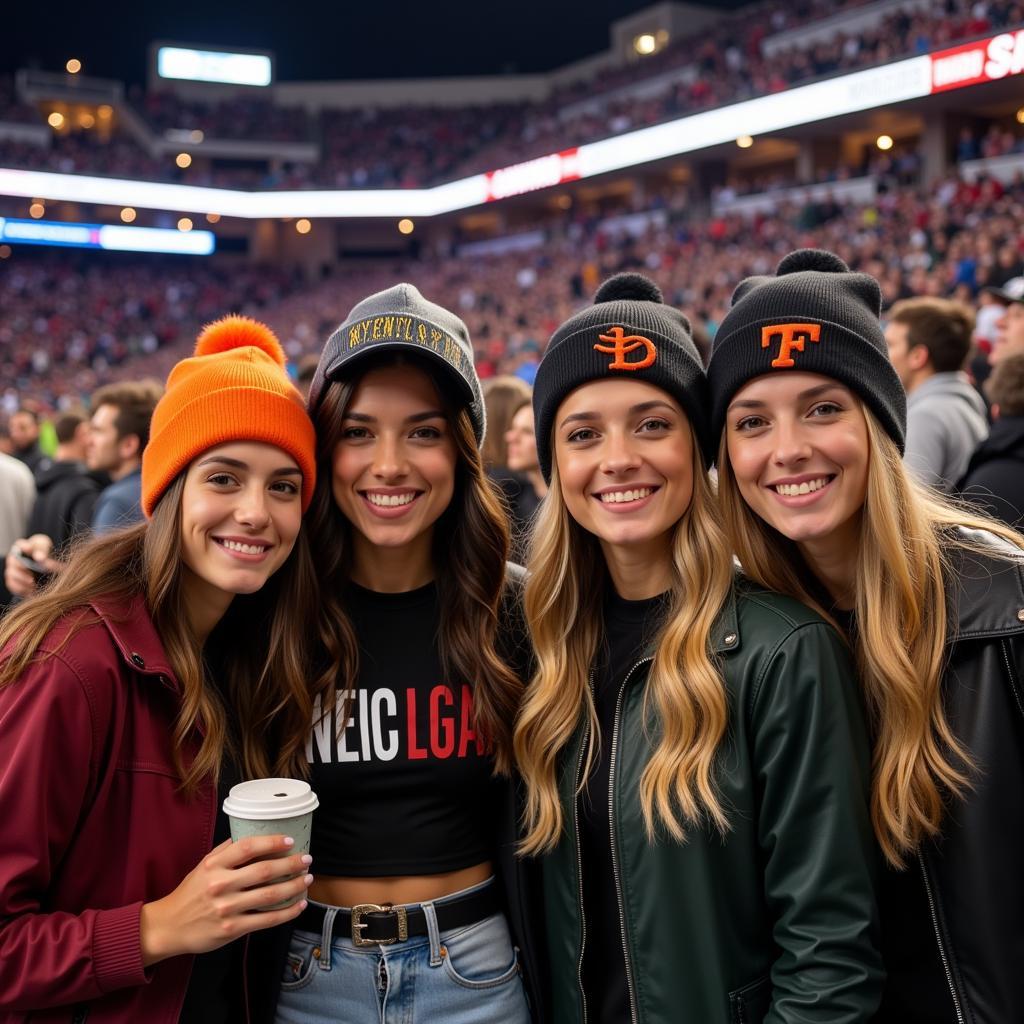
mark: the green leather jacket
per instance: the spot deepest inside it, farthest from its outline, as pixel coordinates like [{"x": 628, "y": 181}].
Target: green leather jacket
[{"x": 777, "y": 921}]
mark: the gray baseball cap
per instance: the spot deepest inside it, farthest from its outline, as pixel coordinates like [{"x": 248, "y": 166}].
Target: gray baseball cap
[{"x": 400, "y": 319}]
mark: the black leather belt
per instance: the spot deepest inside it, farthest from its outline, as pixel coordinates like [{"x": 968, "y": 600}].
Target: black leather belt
[{"x": 380, "y": 924}]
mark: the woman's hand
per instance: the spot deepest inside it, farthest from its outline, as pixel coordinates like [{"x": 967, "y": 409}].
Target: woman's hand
[{"x": 215, "y": 902}]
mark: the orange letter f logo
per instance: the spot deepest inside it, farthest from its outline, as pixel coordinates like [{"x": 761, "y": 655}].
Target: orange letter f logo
[
  {"x": 622, "y": 345},
  {"x": 791, "y": 339}
]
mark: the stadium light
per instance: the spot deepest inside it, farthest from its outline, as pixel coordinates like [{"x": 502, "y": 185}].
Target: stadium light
[
  {"x": 645, "y": 44},
  {"x": 183, "y": 160},
  {"x": 303, "y": 226},
  {"x": 406, "y": 226},
  {"x": 212, "y": 218},
  {"x": 73, "y": 66},
  {"x": 744, "y": 142},
  {"x": 213, "y": 66},
  {"x": 5, "y": 252},
  {"x": 36, "y": 210},
  {"x": 106, "y": 236},
  {"x": 55, "y": 120},
  {"x": 184, "y": 224},
  {"x": 884, "y": 142},
  {"x": 128, "y": 215}
]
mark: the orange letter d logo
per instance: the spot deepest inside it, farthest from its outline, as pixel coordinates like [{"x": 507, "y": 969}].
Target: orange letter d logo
[
  {"x": 622, "y": 344},
  {"x": 791, "y": 339}
]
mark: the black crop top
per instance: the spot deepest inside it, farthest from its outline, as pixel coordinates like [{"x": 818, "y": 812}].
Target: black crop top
[{"x": 405, "y": 785}]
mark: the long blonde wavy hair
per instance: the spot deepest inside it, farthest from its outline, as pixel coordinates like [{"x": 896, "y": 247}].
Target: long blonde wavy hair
[
  {"x": 907, "y": 535},
  {"x": 685, "y": 692}
]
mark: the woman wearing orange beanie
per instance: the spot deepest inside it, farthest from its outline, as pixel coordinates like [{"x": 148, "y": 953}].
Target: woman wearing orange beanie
[{"x": 138, "y": 684}]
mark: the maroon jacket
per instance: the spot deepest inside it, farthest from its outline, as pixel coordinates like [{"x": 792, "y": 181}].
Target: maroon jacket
[{"x": 92, "y": 824}]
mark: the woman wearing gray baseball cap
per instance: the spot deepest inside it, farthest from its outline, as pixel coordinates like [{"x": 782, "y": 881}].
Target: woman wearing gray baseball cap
[{"x": 412, "y": 707}]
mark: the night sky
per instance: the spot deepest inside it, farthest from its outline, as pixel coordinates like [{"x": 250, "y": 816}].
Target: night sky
[{"x": 336, "y": 39}]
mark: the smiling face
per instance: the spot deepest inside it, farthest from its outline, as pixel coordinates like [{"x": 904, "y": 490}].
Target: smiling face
[
  {"x": 798, "y": 447},
  {"x": 394, "y": 467},
  {"x": 522, "y": 442},
  {"x": 241, "y": 510},
  {"x": 624, "y": 451}
]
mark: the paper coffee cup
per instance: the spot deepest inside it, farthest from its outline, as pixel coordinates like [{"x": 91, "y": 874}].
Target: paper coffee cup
[{"x": 271, "y": 807}]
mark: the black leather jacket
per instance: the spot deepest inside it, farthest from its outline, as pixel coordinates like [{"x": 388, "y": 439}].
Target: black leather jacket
[{"x": 954, "y": 920}]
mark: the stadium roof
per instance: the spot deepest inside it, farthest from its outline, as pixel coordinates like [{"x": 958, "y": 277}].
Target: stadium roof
[{"x": 311, "y": 40}]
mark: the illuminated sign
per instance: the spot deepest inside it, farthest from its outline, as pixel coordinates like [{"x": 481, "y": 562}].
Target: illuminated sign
[
  {"x": 212, "y": 66},
  {"x": 533, "y": 174},
  {"x": 106, "y": 236},
  {"x": 985, "y": 60}
]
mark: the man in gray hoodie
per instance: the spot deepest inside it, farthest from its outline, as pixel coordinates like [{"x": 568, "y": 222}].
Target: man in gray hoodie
[{"x": 929, "y": 340}]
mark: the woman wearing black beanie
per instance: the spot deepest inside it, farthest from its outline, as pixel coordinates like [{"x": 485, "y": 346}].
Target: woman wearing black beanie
[
  {"x": 817, "y": 504},
  {"x": 695, "y": 757}
]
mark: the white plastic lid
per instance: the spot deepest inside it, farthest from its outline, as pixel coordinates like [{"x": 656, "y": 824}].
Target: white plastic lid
[{"x": 267, "y": 799}]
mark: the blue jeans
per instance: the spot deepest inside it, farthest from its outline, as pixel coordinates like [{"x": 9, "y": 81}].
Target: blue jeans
[{"x": 467, "y": 975}]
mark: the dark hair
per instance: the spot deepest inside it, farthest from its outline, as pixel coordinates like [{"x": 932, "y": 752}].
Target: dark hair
[
  {"x": 471, "y": 544},
  {"x": 1005, "y": 387},
  {"x": 942, "y": 326},
  {"x": 134, "y": 402},
  {"x": 66, "y": 424},
  {"x": 24, "y": 410}
]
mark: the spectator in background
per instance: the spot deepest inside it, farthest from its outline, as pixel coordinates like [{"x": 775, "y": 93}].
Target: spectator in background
[
  {"x": 306, "y": 371},
  {"x": 995, "y": 476},
  {"x": 24, "y": 428},
  {"x": 66, "y": 491},
  {"x": 6, "y": 444},
  {"x": 1009, "y": 338},
  {"x": 118, "y": 434},
  {"x": 502, "y": 396},
  {"x": 524, "y": 487},
  {"x": 17, "y": 492},
  {"x": 929, "y": 340}
]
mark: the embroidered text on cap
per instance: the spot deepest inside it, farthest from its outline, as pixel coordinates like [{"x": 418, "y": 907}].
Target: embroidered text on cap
[
  {"x": 622, "y": 344},
  {"x": 791, "y": 339}
]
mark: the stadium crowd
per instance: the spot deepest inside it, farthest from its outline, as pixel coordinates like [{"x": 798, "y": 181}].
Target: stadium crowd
[
  {"x": 98, "y": 323},
  {"x": 424, "y": 146}
]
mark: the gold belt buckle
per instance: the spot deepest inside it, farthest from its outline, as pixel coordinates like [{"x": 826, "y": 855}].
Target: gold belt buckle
[{"x": 358, "y": 924}]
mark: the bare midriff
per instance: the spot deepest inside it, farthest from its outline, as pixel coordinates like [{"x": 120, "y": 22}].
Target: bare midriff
[{"x": 349, "y": 892}]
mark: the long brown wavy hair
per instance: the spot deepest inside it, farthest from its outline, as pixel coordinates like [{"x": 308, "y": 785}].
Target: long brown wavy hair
[
  {"x": 903, "y": 565},
  {"x": 262, "y": 667},
  {"x": 470, "y": 548},
  {"x": 685, "y": 688}
]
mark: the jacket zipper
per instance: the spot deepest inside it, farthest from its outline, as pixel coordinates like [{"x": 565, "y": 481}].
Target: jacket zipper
[
  {"x": 938, "y": 939},
  {"x": 579, "y": 863},
  {"x": 1010, "y": 675},
  {"x": 611, "y": 832}
]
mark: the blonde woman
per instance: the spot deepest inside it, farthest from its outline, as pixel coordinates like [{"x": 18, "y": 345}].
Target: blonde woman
[
  {"x": 818, "y": 505},
  {"x": 695, "y": 758}
]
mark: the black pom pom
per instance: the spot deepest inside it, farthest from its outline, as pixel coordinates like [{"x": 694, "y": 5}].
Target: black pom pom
[
  {"x": 628, "y": 286},
  {"x": 812, "y": 259}
]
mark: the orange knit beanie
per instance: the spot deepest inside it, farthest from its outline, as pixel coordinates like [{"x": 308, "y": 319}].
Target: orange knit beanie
[{"x": 233, "y": 389}]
